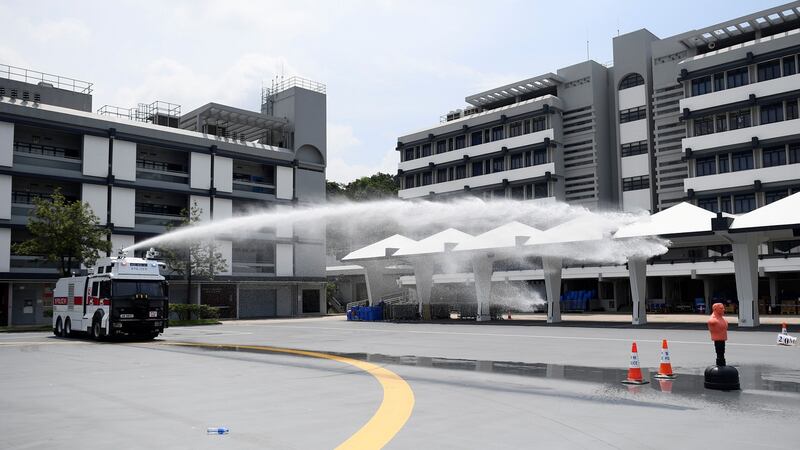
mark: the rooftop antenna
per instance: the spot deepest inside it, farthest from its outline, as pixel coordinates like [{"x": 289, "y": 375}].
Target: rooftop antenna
[{"x": 587, "y": 49}]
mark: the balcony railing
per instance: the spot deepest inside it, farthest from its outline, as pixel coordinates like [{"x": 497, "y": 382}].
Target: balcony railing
[
  {"x": 27, "y": 198},
  {"x": 159, "y": 210},
  {"x": 253, "y": 183},
  {"x": 46, "y": 79},
  {"x": 161, "y": 166},
  {"x": 252, "y": 268},
  {"x": 161, "y": 171},
  {"x": 48, "y": 150}
]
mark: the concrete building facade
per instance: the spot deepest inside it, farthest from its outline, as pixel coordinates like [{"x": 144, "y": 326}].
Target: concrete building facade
[
  {"x": 706, "y": 117},
  {"x": 138, "y": 168}
]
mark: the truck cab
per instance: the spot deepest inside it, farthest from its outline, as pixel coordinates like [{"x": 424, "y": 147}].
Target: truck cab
[{"x": 119, "y": 296}]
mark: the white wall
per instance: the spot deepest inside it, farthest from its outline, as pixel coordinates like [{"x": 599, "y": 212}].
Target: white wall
[
  {"x": 204, "y": 203},
  {"x": 284, "y": 260},
  {"x": 284, "y": 183},
  {"x": 124, "y": 160},
  {"x": 5, "y": 249},
  {"x": 96, "y": 196},
  {"x": 95, "y": 156},
  {"x": 633, "y": 131},
  {"x": 120, "y": 241},
  {"x": 5, "y": 197},
  {"x": 636, "y": 200},
  {"x": 123, "y": 207},
  {"x": 200, "y": 168},
  {"x": 6, "y": 144},
  {"x": 632, "y": 97},
  {"x": 223, "y": 174},
  {"x": 223, "y": 208},
  {"x": 634, "y": 166}
]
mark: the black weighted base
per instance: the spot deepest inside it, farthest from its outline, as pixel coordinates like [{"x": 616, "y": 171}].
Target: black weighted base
[{"x": 722, "y": 378}]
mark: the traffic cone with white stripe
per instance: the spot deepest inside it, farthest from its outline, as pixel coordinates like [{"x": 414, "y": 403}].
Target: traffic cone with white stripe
[
  {"x": 784, "y": 328},
  {"x": 665, "y": 369},
  {"x": 634, "y": 369}
]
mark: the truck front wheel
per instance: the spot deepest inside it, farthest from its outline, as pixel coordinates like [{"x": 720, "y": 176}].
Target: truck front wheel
[{"x": 97, "y": 330}]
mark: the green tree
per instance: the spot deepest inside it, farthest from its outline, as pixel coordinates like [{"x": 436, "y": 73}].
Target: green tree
[
  {"x": 64, "y": 232},
  {"x": 375, "y": 187},
  {"x": 197, "y": 258}
]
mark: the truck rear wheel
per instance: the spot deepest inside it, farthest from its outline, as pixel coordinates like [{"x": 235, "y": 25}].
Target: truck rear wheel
[
  {"x": 67, "y": 328},
  {"x": 58, "y": 330}
]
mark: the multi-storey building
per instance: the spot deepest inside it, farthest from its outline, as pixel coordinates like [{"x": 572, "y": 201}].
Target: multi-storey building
[
  {"x": 545, "y": 136},
  {"x": 139, "y": 168},
  {"x": 707, "y": 116}
]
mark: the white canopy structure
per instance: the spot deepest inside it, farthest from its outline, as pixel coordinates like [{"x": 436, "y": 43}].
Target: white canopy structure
[
  {"x": 375, "y": 258},
  {"x": 504, "y": 236},
  {"x": 684, "y": 223},
  {"x": 784, "y": 213},
  {"x": 422, "y": 256}
]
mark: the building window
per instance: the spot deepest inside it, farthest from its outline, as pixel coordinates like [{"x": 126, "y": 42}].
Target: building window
[
  {"x": 630, "y": 81},
  {"x": 426, "y": 178},
  {"x": 794, "y": 153},
  {"x": 719, "y": 82},
  {"x": 540, "y": 190},
  {"x": 784, "y": 247},
  {"x": 526, "y": 126},
  {"x": 461, "y": 171},
  {"x": 477, "y": 169},
  {"x": 769, "y": 70},
  {"x": 461, "y": 142},
  {"x": 633, "y": 148},
  {"x": 635, "y": 183},
  {"x": 721, "y": 123},
  {"x": 739, "y": 119},
  {"x": 426, "y": 150},
  {"x": 450, "y": 145},
  {"x": 539, "y": 157},
  {"x": 518, "y": 192},
  {"x": 771, "y": 113},
  {"x": 498, "y": 165},
  {"x": 791, "y": 110},
  {"x": 441, "y": 175},
  {"x": 629, "y": 115},
  {"x": 497, "y": 133},
  {"x": 775, "y": 156},
  {"x": 742, "y": 160},
  {"x": 710, "y": 204},
  {"x": 703, "y": 125},
  {"x": 737, "y": 77},
  {"x": 409, "y": 154},
  {"x": 409, "y": 183},
  {"x": 539, "y": 124},
  {"x": 515, "y": 129},
  {"x": 475, "y": 138},
  {"x": 773, "y": 196},
  {"x": 701, "y": 86},
  {"x": 744, "y": 203},
  {"x": 789, "y": 67},
  {"x": 516, "y": 161},
  {"x": 705, "y": 166},
  {"x": 725, "y": 203},
  {"x": 724, "y": 163},
  {"x": 441, "y": 147}
]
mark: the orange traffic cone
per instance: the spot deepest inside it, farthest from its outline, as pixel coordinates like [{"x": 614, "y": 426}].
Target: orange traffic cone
[
  {"x": 665, "y": 369},
  {"x": 509, "y": 315},
  {"x": 784, "y": 328},
  {"x": 635, "y": 369}
]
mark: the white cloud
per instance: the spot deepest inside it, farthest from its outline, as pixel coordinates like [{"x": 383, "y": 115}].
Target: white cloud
[
  {"x": 48, "y": 31},
  {"x": 342, "y": 144}
]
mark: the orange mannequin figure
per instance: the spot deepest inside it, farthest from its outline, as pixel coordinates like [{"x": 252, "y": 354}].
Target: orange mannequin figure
[{"x": 718, "y": 327}]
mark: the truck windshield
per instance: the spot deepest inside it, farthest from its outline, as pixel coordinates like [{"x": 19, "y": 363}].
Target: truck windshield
[{"x": 129, "y": 288}]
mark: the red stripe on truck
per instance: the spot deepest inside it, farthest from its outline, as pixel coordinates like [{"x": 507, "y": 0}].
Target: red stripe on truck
[
  {"x": 60, "y": 301},
  {"x": 77, "y": 300}
]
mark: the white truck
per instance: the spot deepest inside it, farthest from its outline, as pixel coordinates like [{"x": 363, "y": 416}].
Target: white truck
[{"x": 119, "y": 296}]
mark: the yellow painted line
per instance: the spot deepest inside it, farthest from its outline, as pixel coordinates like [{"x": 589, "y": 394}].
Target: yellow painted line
[{"x": 388, "y": 420}]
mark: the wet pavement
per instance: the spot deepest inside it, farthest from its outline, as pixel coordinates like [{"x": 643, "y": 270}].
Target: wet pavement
[{"x": 473, "y": 387}]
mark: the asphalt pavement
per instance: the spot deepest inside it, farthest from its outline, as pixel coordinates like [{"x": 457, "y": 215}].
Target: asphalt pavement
[{"x": 468, "y": 386}]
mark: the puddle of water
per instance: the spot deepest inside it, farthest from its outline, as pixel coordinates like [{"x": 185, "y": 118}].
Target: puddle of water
[{"x": 756, "y": 379}]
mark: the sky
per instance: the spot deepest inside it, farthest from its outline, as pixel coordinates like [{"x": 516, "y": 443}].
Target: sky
[{"x": 390, "y": 67}]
